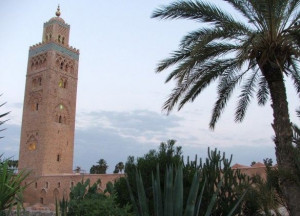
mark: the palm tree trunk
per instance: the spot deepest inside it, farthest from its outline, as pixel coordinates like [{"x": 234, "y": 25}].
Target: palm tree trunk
[{"x": 283, "y": 138}]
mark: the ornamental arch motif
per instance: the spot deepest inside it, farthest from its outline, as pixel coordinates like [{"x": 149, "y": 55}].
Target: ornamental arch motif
[
  {"x": 38, "y": 61},
  {"x": 32, "y": 143},
  {"x": 35, "y": 101},
  {"x": 64, "y": 64},
  {"x": 61, "y": 114}
]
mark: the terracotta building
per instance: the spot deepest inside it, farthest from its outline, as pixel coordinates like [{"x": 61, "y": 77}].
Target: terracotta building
[{"x": 48, "y": 124}]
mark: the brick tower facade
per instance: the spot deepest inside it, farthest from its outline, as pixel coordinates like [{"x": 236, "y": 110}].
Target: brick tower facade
[{"x": 47, "y": 135}]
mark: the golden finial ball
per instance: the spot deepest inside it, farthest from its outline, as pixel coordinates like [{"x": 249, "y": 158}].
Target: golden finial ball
[{"x": 58, "y": 11}]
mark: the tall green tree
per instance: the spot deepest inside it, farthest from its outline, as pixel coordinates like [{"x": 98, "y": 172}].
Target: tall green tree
[
  {"x": 256, "y": 54},
  {"x": 100, "y": 168}
]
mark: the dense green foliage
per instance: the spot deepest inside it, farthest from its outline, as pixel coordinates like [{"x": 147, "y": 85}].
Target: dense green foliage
[
  {"x": 100, "y": 168},
  {"x": 215, "y": 169},
  {"x": 166, "y": 155},
  {"x": 119, "y": 167},
  {"x": 11, "y": 187},
  {"x": 169, "y": 202},
  {"x": 85, "y": 200}
]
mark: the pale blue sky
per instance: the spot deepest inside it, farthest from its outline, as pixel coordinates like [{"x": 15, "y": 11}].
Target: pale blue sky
[{"x": 119, "y": 94}]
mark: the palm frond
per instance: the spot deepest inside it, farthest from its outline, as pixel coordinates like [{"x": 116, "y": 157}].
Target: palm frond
[
  {"x": 210, "y": 72},
  {"x": 247, "y": 10},
  {"x": 225, "y": 89},
  {"x": 175, "y": 57},
  {"x": 197, "y": 81},
  {"x": 197, "y": 58},
  {"x": 207, "y": 35},
  {"x": 290, "y": 8},
  {"x": 295, "y": 75},
  {"x": 263, "y": 91},
  {"x": 244, "y": 98},
  {"x": 199, "y": 11}
]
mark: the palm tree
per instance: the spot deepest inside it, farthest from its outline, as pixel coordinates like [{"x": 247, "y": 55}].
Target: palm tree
[
  {"x": 256, "y": 54},
  {"x": 121, "y": 166},
  {"x": 102, "y": 167}
]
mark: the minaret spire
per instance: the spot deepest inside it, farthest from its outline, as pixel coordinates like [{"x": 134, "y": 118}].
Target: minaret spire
[{"x": 58, "y": 11}]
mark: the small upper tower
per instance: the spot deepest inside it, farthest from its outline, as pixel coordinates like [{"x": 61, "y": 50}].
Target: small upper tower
[
  {"x": 56, "y": 30},
  {"x": 48, "y": 124}
]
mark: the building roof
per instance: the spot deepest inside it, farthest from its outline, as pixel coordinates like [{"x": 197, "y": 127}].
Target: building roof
[{"x": 239, "y": 166}]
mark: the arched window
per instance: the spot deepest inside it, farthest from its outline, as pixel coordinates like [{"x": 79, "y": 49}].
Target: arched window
[
  {"x": 37, "y": 106},
  {"x": 47, "y": 185},
  {"x": 34, "y": 82},
  {"x": 62, "y": 83},
  {"x": 60, "y": 119},
  {"x": 59, "y": 38},
  {"x": 58, "y": 158},
  {"x": 61, "y": 65},
  {"x": 40, "y": 81}
]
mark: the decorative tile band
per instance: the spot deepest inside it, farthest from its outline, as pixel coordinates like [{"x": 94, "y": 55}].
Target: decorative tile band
[
  {"x": 53, "y": 46},
  {"x": 58, "y": 22}
]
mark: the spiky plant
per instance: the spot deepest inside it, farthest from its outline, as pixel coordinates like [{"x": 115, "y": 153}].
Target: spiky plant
[
  {"x": 256, "y": 53},
  {"x": 169, "y": 200},
  {"x": 1, "y": 117},
  {"x": 11, "y": 186}
]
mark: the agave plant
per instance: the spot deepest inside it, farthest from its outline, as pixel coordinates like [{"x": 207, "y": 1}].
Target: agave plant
[
  {"x": 11, "y": 186},
  {"x": 170, "y": 202}
]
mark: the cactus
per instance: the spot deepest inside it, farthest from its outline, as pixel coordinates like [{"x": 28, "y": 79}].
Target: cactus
[{"x": 171, "y": 202}]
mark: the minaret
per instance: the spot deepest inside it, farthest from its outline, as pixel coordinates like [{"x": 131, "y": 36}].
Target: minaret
[{"x": 47, "y": 136}]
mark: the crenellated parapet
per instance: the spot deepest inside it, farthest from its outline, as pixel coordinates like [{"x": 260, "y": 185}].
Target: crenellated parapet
[{"x": 50, "y": 45}]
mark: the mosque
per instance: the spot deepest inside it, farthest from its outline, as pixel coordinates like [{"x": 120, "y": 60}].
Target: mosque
[{"x": 48, "y": 122}]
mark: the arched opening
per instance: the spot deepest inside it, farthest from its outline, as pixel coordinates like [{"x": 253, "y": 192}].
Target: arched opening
[
  {"x": 43, "y": 196},
  {"x": 56, "y": 193},
  {"x": 60, "y": 119},
  {"x": 61, "y": 65},
  {"x": 58, "y": 158},
  {"x": 40, "y": 81},
  {"x": 34, "y": 82},
  {"x": 37, "y": 106},
  {"x": 59, "y": 38}
]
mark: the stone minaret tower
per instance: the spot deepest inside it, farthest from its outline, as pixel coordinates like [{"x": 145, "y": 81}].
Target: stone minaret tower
[{"x": 47, "y": 136}]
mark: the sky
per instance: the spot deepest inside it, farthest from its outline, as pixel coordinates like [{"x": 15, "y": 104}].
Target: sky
[{"x": 119, "y": 96}]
